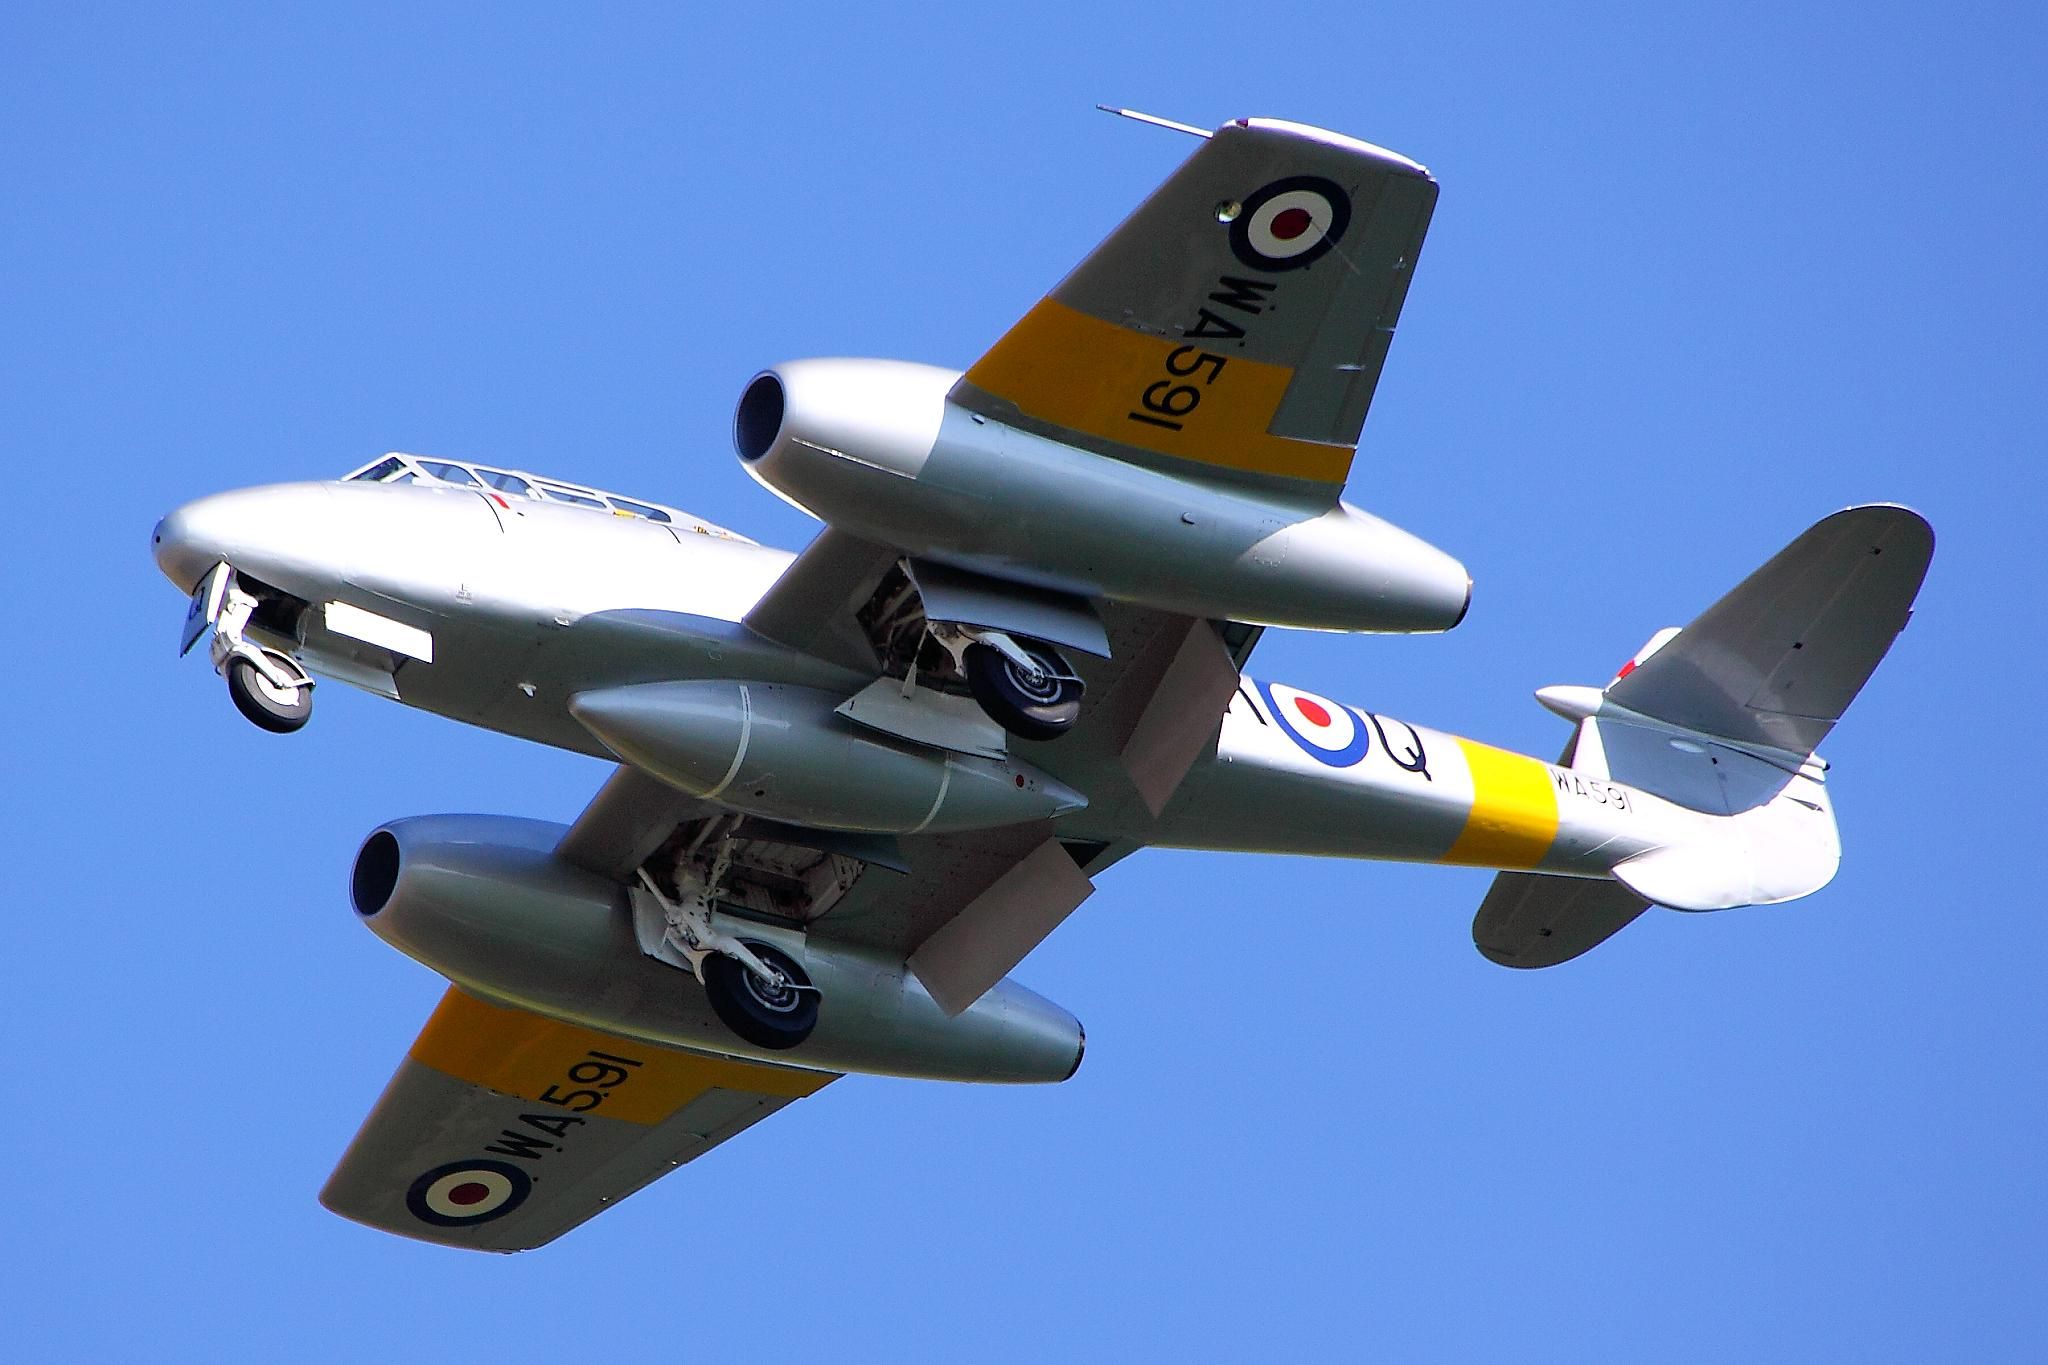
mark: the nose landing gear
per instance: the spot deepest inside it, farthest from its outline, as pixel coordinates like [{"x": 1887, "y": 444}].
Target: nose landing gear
[
  {"x": 268, "y": 686},
  {"x": 277, "y": 707}
]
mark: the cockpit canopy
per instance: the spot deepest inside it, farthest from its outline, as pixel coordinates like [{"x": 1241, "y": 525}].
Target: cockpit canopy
[{"x": 398, "y": 467}]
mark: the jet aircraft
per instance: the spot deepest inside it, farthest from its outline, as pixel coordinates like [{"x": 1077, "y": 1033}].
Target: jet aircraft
[{"x": 858, "y": 784}]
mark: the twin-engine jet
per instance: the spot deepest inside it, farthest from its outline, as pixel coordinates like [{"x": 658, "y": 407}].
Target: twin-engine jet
[{"x": 857, "y": 785}]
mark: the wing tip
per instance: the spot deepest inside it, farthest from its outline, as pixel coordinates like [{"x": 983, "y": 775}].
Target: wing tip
[{"x": 1385, "y": 156}]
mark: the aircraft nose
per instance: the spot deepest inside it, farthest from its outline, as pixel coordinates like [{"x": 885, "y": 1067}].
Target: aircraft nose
[
  {"x": 182, "y": 546},
  {"x": 247, "y": 528}
]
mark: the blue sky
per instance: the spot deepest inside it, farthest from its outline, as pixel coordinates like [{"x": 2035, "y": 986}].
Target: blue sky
[{"x": 1697, "y": 278}]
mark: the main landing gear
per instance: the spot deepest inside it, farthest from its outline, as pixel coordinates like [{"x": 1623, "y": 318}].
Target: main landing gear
[
  {"x": 756, "y": 989},
  {"x": 268, "y": 686},
  {"x": 1023, "y": 685}
]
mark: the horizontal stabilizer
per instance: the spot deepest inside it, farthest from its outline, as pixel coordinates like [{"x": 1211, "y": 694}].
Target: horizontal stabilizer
[
  {"x": 1776, "y": 661},
  {"x": 1529, "y": 920}
]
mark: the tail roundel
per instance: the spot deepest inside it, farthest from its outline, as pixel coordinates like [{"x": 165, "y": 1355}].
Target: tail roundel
[{"x": 1723, "y": 718}]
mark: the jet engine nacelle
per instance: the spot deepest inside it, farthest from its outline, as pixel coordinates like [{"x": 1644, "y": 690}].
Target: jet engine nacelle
[
  {"x": 875, "y": 448},
  {"x": 483, "y": 900}
]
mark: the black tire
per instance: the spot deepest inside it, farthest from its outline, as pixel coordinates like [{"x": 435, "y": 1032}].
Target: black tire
[
  {"x": 770, "y": 1017},
  {"x": 1044, "y": 706},
  {"x": 278, "y": 710}
]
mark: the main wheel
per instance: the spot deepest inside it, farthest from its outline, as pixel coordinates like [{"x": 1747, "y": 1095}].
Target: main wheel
[
  {"x": 1039, "y": 703},
  {"x": 279, "y": 710},
  {"x": 775, "y": 1015}
]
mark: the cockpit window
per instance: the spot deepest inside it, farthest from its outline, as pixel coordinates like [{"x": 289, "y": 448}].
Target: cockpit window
[
  {"x": 638, "y": 509},
  {"x": 449, "y": 473},
  {"x": 506, "y": 483},
  {"x": 563, "y": 493},
  {"x": 399, "y": 467},
  {"x": 379, "y": 472}
]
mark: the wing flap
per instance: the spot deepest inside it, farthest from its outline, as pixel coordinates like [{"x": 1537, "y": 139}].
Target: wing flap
[
  {"x": 992, "y": 933},
  {"x": 502, "y": 1129}
]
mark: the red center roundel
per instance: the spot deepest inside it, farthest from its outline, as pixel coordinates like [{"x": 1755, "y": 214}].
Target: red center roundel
[
  {"x": 1290, "y": 223},
  {"x": 1327, "y": 732},
  {"x": 464, "y": 1193}
]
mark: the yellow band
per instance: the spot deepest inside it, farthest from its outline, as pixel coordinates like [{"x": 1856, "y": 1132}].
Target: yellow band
[
  {"x": 1158, "y": 393},
  {"x": 527, "y": 1055},
  {"x": 1513, "y": 821}
]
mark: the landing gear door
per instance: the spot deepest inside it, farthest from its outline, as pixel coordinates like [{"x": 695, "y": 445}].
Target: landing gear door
[{"x": 205, "y": 608}]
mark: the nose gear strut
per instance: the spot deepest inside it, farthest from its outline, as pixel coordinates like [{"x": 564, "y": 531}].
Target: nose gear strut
[{"x": 268, "y": 686}]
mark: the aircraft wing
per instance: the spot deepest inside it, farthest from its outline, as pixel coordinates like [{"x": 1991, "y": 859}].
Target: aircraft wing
[
  {"x": 1235, "y": 325},
  {"x": 502, "y": 1129}
]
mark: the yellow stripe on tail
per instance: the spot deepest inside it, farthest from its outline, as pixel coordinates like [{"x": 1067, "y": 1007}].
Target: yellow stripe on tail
[{"x": 1513, "y": 821}]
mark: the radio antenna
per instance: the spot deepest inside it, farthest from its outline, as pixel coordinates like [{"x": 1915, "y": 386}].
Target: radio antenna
[{"x": 1154, "y": 120}]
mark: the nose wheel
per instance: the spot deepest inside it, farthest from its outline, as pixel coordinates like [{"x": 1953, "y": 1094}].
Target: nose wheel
[
  {"x": 279, "y": 708},
  {"x": 266, "y": 685}
]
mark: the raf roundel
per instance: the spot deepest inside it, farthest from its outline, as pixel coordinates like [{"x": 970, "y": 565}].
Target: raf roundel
[
  {"x": 1290, "y": 223},
  {"x": 1326, "y": 731},
  {"x": 464, "y": 1193}
]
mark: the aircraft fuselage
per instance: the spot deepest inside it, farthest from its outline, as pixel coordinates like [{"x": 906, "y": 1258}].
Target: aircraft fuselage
[{"x": 529, "y": 604}]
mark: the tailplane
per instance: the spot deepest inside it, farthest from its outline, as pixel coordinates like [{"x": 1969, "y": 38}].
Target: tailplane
[
  {"x": 1717, "y": 716},
  {"x": 1723, "y": 717}
]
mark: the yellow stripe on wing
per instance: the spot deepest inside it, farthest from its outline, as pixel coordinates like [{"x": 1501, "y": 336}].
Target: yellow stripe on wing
[
  {"x": 1071, "y": 370},
  {"x": 1513, "y": 821},
  {"x": 515, "y": 1052}
]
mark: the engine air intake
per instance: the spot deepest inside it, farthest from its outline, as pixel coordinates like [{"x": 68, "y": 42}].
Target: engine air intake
[
  {"x": 376, "y": 873},
  {"x": 759, "y": 418}
]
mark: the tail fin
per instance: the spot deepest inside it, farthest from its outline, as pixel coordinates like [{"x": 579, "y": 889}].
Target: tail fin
[{"x": 1723, "y": 717}]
